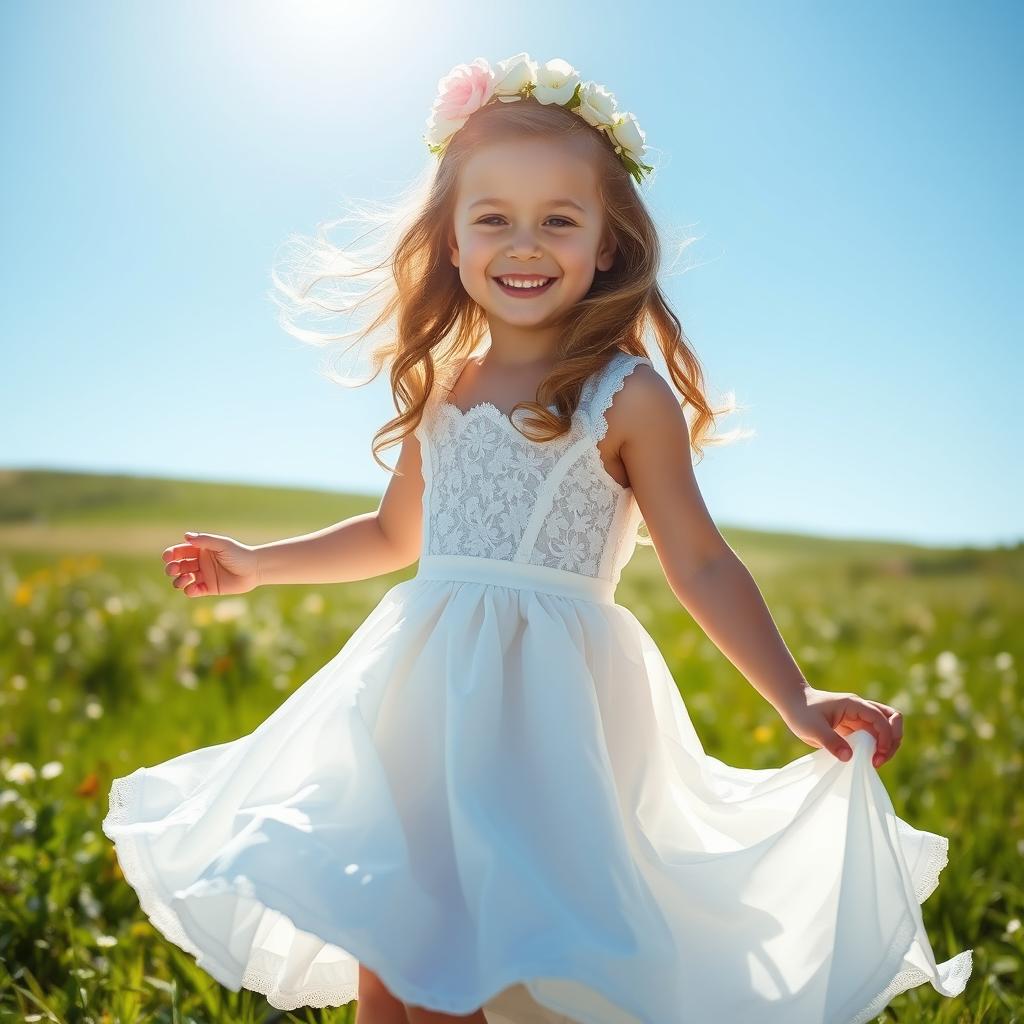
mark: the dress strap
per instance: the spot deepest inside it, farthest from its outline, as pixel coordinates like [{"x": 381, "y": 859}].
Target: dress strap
[
  {"x": 595, "y": 400},
  {"x": 603, "y": 386}
]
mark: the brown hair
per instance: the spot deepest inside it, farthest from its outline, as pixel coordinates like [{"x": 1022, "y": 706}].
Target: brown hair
[{"x": 436, "y": 322}]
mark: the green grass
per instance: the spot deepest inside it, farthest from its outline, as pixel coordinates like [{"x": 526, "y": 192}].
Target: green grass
[{"x": 105, "y": 667}]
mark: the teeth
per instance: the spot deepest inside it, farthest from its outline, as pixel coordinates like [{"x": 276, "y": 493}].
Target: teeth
[{"x": 524, "y": 284}]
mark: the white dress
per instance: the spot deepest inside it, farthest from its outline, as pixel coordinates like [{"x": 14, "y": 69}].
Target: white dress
[{"x": 493, "y": 795}]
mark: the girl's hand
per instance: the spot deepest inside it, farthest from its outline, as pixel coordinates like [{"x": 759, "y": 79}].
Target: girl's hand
[
  {"x": 820, "y": 718},
  {"x": 210, "y": 564}
]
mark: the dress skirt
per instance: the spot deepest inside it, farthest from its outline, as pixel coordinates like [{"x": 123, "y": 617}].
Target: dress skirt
[{"x": 493, "y": 796}]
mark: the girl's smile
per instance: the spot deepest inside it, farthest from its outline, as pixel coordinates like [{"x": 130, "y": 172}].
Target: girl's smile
[{"x": 524, "y": 291}]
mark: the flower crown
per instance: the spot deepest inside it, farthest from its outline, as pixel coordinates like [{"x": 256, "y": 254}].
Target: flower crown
[{"x": 468, "y": 87}]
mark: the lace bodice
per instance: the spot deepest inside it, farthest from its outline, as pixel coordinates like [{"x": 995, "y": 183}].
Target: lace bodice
[{"x": 490, "y": 492}]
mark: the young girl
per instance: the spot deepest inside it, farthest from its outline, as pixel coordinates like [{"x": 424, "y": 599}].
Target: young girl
[{"x": 491, "y": 804}]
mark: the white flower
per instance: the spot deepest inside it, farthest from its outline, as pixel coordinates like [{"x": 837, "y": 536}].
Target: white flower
[
  {"x": 229, "y": 609},
  {"x": 439, "y": 129},
  {"x": 468, "y": 87},
  {"x": 51, "y": 769},
  {"x": 20, "y": 771},
  {"x": 556, "y": 81},
  {"x": 597, "y": 105},
  {"x": 628, "y": 134},
  {"x": 511, "y": 76}
]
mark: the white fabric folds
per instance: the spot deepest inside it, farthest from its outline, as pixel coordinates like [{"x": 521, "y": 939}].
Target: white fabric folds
[{"x": 489, "y": 815}]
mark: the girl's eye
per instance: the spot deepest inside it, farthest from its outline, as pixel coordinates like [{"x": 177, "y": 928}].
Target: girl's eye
[{"x": 495, "y": 216}]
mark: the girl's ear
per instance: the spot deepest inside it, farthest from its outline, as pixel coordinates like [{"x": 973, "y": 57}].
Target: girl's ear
[
  {"x": 606, "y": 254},
  {"x": 453, "y": 246}
]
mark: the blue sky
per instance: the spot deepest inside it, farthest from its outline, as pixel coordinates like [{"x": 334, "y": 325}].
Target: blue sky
[{"x": 852, "y": 172}]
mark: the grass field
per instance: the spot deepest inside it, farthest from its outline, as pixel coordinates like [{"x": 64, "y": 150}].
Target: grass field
[{"x": 105, "y": 667}]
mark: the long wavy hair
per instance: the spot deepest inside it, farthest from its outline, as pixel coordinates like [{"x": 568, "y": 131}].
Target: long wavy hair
[{"x": 428, "y": 322}]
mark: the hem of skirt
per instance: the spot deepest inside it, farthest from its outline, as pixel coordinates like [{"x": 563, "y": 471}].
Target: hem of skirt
[
  {"x": 259, "y": 974},
  {"x": 953, "y": 973}
]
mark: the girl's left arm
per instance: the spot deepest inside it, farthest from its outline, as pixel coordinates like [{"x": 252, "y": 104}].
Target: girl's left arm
[{"x": 711, "y": 581}]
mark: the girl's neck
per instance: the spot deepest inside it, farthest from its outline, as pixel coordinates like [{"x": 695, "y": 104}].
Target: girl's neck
[
  {"x": 518, "y": 349},
  {"x": 499, "y": 380}
]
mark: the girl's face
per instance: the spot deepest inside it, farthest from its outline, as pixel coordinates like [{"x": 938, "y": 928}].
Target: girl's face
[{"x": 529, "y": 209}]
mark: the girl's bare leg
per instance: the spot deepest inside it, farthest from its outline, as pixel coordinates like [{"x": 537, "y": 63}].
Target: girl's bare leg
[
  {"x": 421, "y": 1015},
  {"x": 376, "y": 1004}
]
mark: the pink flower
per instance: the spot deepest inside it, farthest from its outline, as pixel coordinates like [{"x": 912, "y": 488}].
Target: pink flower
[{"x": 465, "y": 89}]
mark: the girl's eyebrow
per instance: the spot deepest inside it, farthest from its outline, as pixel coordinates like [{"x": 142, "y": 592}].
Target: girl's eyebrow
[{"x": 552, "y": 202}]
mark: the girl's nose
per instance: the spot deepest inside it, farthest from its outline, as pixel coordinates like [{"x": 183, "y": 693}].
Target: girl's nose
[{"x": 524, "y": 244}]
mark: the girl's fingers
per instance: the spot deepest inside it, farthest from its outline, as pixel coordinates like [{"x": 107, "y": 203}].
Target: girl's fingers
[
  {"x": 180, "y": 565},
  {"x": 895, "y": 719},
  {"x": 176, "y": 551},
  {"x": 882, "y": 728},
  {"x": 867, "y": 713}
]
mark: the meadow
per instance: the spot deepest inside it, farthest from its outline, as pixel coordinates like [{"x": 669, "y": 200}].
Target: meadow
[{"x": 105, "y": 667}]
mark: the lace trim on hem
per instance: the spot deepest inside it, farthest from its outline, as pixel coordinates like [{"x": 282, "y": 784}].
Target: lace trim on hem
[{"x": 956, "y": 970}]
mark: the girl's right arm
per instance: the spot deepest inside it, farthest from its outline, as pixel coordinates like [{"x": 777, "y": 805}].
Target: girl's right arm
[{"x": 357, "y": 548}]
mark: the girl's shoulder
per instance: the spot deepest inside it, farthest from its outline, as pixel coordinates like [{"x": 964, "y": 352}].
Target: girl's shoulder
[
  {"x": 612, "y": 379},
  {"x": 621, "y": 364},
  {"x": 633, "y": 402}
]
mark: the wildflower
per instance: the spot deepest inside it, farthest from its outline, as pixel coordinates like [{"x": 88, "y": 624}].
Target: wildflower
[{"x": 19, "y": 772}]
